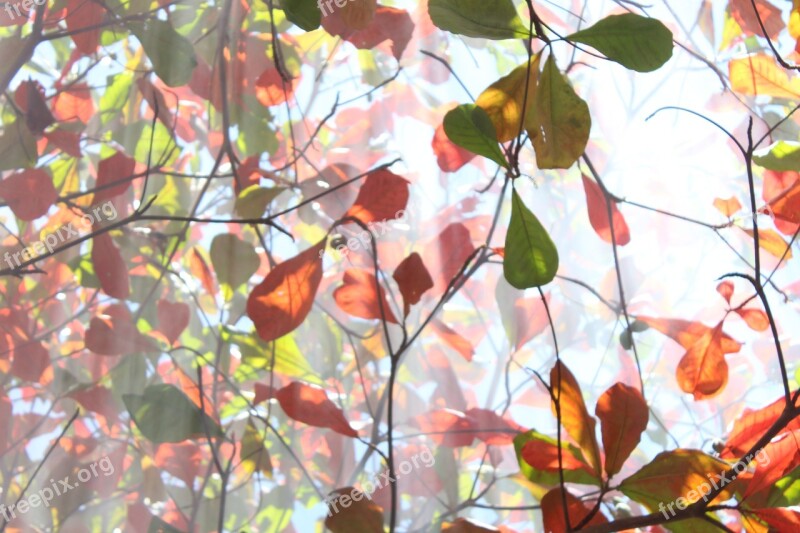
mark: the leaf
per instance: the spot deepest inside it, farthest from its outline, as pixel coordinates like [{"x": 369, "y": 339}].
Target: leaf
[
  {"x": 83, "y": 23},
  {"x": 17, "y": 146},
  {"x": 772, "y": 243},
  {"x": 467, "y": 525},
  {"x": 74, "y": 102},
  {"x": 389, "y": 24},
  {"x": 413, "y": 280},
  {"x": 771, "y": 17},
  {"x": 271, "y": 89},
  {"x": 109, "y": 267},
  {"x": 577, "y": 421},
  {"x": 687, "y": 333},
  {"x": 253, "y": 201},
  {"x": 200, "y": 270},
  {"x": 30, "y": 98},
  {"x": 114, "y": 333},
  {"x": 598, "y": 214},
  {"x": 638, "y": 43},
  {"x": 449, "y": 156},
  {"x": 358, "y": 15},
  {"x": 31, "y": 363},
  {"x": 751, "y": 425},
  {"x": 351, "y": 511},
  {"x": 303, "y": 13},
  {"x": 453, "y": 339},
  {"x": 469, "y": 127},
  {"x": 539, "y": 464},
  {"x": 113, "y": 176},
  {"x": 560, "y": 124},
  {"x": 383, "y": 196},
  {"x": 446, "y": 254},
  {"x": 553, "y": 511},
  {"x": 761, "y": 75},
  {"x": 623, "y": 418},
  {"x": 755, "y": 318},
  {"x": 282, "y": 301},
  {"x": 234, "y": 260},
  {"x": 531, "y": 258},
  {"x": 674, "y": 474},
  {"x": 703, "y": 371},
  {"x": 173, "y": 318},
  {"x": 780, "y": 156},
  {"x": 786, "y": 205},
  {"x": 504, "y": 99},
  {"x": 253, "y": 453},
  {"x": 728, "y": 207},
  {"x": 478, "y": 18},
  {"x": 783, "y": 456},
  {"x": 779, "y": 519},
  {"x": 29, "y": 193},
  {"x": 171, "y": 54},
  {"x": 361, "y": 296},
  {"x": 725, "y": 289},
  {"x": 165, "y": 414},
  {"x": 311, "y": 406}
]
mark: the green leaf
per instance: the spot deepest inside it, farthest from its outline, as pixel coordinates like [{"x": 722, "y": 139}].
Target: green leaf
[
  {"x": 257, "y": 355},
  {"x": 171, "y": 54},
  {"x": 165, "y": 414},
  {"x": 234, "y": 260},
  {"x": 136, "y": 139},
  {"x": 531, "y": 258},
  {"x": 551, "y": 478},
  {"x": 490, "y": 19},
  {"x": 470, "y": 127},
  {"x": 17, "y": 147},
  {"x": 253, "y": 201},
  {"x": 255, "y": 456},
  {"x": 635, "y": 42},
  {"x": 780, "y": 156},
  {"x": 560, "y": 124},
  {"x": 303, "y": 13}
]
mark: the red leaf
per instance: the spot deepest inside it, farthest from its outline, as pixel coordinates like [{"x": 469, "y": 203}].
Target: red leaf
[
  {"x": 271, "y": 89},
  {"x": 623, "y": 418},
  {"x": 97, "y": 399},
  {"x": 779, "y": 519},
  {"x": 598, "y": 214},
  {"x": 383, "y": 196},
  {"x": 74, "y": 103},
  {"x": 29, "y": 193},
  {"x": 577, "y": 421},
  {"x": 361, "y": 296},
  {"x": 446, "y": 427},
  {"x": 446, "y": 254},
  {"x": 755, "y": 318},
  {"x": 173, "y": 317},
  {"x": 530, "y": 319},
  {"x": 771, "y": 16},
  {"x": 413, "y": 280},
  {"x": 492, "y": 428},
  {"x": 726, "y": 290},
  {"x": 109, "y": 267},
  {"x": 29, "y": 364},
  {"x": 310, "y": 405},
  {"x": 389, "y": 23},
  {"x": 450, "y": 156},
  {"x": 687, "y": 333},
  {"x": 29, "y": 96},
  {"x": 113, "y": 333},
  {"x": 182, "y": 459},
  {"x": 282, "y": 301},
  {"x": 783, "y": 455},
  {"x": 751, "y": 426},
  {"x": 786, "y": 205},
  {"x": 117, "y": 168},
  {"x": 543, "y": 456},
  {"x": 553, "y": 512},
  {"x": 262, "y": 392},
  {"x": 83, "y": 14},
  {"x": 453, "y": 339},
  {"x": 66, "y": 141}
]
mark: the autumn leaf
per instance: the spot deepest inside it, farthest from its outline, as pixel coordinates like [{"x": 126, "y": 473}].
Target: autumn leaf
[
  {"x": 382, "y": 197},
  {"x": 755, "y": 318},
  {"x": 29, "y": 193},
  {"x": 761, "y": 75},
  {"x": 553, "y": 512},
  {"x": 596, "y": 203},
  {"x": 253, "y": 453},
  {"x": 449, "y": 156},
  {"x": 577, "y": 421},
  {"x": 772, "y": 243},
  {"x": 284, "y": 298},
  {"x": 272, "y": 89},
  {"x": 110, "y": 267},
  {"x": 725, "y": 289},
  {"x": 771, "y": 17},
  {"x": 541, "y": 453},
  {"x": 413, "y": 280},
  {"x": 311, "y": 406},
  {"x": 363, "y": 297},
  {"x": 504, "y": 99},
  {"x": 728, "y": 207},
  {"x": 351, "y": 511},
  {"x": 113, "y": 176},
  {"x": 388, "y": 23},
  {"x": 623, "y": 415},
  {"x": 703, "y": 371},
  {"x": 783, "y": 456},
  {"x": 31, "y": 363},
  {"x": 83, "y": 23},
  {"x": 751, "y": 425},
  {"x": 358, "y": 14},
  {"x": 173, "y": 318},
  {"x": 200, "y": 270},
  {"x": 453, "y": 339},
  {"x": 446, "y": 254},
  {"x": 113, "y": 333}
]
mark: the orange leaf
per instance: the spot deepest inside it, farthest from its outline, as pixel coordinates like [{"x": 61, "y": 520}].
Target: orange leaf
[
  {"x": 413, "y": 280},
  {"x": 453, "y": 339},
  {"x": 282, "y": 301},
  {"x": 783, "y": 456},
  {"x": 703, "y": 370},
  {"x": 271, "y": 89},
  {"x": 598, "y": 214},
  {"x": 109, "y": 267},
  {"x": 351, "y": 511},
  {"x": 728, "y": 207},
  {"x": 74, "y": 103},
  {"x": 761, "y": 75},
  {"x": 576, "y": 420},
  {"x": 543, "y": 456},
  {"x": 755, "y": 318},
  {"x": 200, "y": 269},
  {"x": 726, "y": 290},
  {"x": 449, "y": 155},
  {"x": 687, "y": 333},
  {"x": 310, "y": 405},
  {"x": 363, "y": 297},
  {"x": 771, "y": 242},
  {"x": 786, "y": 205},
  {"x": 383, "y": 196},
  {"x": 751, "y": 426},
  {"x": 173, "y": 317},
  {"x": 117, "y": 168},
  {"x": 503, "y": 99},
  {"x": 553, "y": 512},
  {"x": 623, "y": 418},
  {"x": 29, "y": 193}
]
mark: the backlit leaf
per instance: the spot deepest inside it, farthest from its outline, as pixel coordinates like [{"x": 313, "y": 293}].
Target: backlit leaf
[
  {"x": 623, "y": 418},
  {"x": 469, "y": 127},
  {"x": 531, "y": 258},
  {"x": 361, "y": 296},
  {"x": 383, "y": 196},
  {"x": 577, "y": 421},
  {"x": 504, "y": 99},
  {"x": 110, "y": 267},
  {"x": 413, "y": 280},
  {"x": 171, "y": 54},
  {"x": 351, "y": 511},
  {"x": 303, "y": 13},
  {"x": 553, "y": 511},
  {"x": 310, "y": 405},
  {"x": 478, "y": 18},
  {"x": 29, "y": 193},
  {"x": 780, "y": 156},
  {"x": 234, "y": 260},
  {"x": 761, "y": 75},
  {"x": 598, "y": 214}
]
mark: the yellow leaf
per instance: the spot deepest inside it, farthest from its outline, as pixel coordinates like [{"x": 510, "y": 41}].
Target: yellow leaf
[
  {"x": 503, "y": 100},
  {"x": 761, "y": 75},
  {"x": 771, "y": 242}
]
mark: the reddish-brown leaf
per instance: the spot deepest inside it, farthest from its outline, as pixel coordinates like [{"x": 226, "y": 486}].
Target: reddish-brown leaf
[
  {"x": 83, "y": 14},
  {"x": 453, "y": 339},
  {"x": 703, "y": 370},
  {"x": 29, "y": 96},
  {"x": 262, "y": 392},
  {"x": 771, "y": 17},
  {"x": 389, "y": 23},
  {"x": 114, "y": 333},
  {"x": 492, "y": 428},
  {"x": 623, "y": 418},
  {"x": 786, "y": 205},
  {"x": 449, "y": 155},
  {"x": 310, "y": 405},
  {"x": 271, "y": 89},
  {"x": 445, "y": 255},
  {"x": 109, "y": 267},
  {"x": 181, "y": 459},
  {"x": 29, "y": 193},
  {"x": 446, "y": 427},
  {"x": 576, "y": 420},
  {"x": 113, "y": 176},
  {"x": 726, "y": 290},
  {"x": 360, "y": 295},
  {"x": 358, "y": 15},
  {"x": 65, "y": 140},
  {"x": 351, "y": 511},
  {"x": 383, "y": 196},
  {"x": 413, "y": 279},
  {"x": 30, "y": 363},
  {"x": 97, "y": 399},
  {"x": 598, "y": 214},
  {"x": 553, "y": 512},
  {"x": 282, "y": 301},
  {"x": 755, "y": 318},
  {"x": 173, "y": 317}
]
